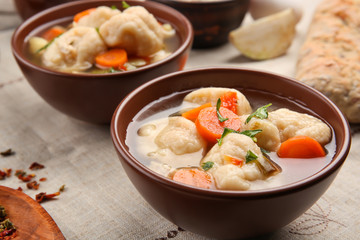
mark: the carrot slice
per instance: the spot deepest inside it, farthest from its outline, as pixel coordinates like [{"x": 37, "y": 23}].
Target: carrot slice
[
  {"x": 83, "y": 13},
  {"x": 233, "y": 160},
  {"x": 229, "y": 101},
  {"x": 193, "y": 113},
  {"x": 52, "y": 33},
  {"x": 193, "y": 177},
  {"x": 209, "y": 126},
  {"x": 113, "y": 58},
  {"x": 301, "y": 147}
]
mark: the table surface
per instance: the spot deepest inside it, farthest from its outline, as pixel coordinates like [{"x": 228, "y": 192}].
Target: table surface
[{"x": 99, "y": 202}]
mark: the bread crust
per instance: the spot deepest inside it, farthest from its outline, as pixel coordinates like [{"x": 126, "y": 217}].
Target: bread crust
[{"x": 329, "y": 59}]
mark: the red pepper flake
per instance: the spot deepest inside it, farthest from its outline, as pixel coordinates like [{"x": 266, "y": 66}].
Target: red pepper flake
[
  {"x": 26, "y": 178},
  {"x": 43, "y": 179},
  {"x": 19, "y": 189},
  {"x": 2, "y": 175},
  {"x": 33, "y": 185},
  {"x": 7, "y": 152},
  {"x": 8, "y": 171},
  {"x": 8, "y": 234},
  {"x": 5, "y": 173},
  {"x": 20, "y": 172},
  {"x": 36, "y": 166},
  {"x": 43, "y": 196}
]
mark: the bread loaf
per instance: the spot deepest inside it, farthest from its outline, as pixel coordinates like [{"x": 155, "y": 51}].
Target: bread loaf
[{"x": 329, "y": 59}]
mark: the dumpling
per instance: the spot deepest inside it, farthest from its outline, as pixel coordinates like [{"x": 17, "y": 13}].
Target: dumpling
[
  {"x": 235, "y": 177},
  {"x": 180, "y": 136},
  {"x": 291, "y": 123},
  {"x": 135, "y": 30},
  {"x": 269, "y": 137},
  {"x": 74, "y": 50},
  {"x": 96, "y": 18},
  {"x": 212, "y": 94},
  {"x": 162, "y": 31}
]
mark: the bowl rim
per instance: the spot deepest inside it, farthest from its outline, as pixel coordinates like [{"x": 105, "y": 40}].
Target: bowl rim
[
  {"x": 20, "y": 56},
  {"x": 200, "y": 3},
  {"x": 333, "y": 166}
]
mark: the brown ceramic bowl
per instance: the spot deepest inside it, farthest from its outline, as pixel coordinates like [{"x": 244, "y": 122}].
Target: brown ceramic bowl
[
  {"x": 212, "y": 20},
  {"x": 28, "y": 8},
  {"x": 229, "y": 214},
  {"x": 94, "y": 97}
]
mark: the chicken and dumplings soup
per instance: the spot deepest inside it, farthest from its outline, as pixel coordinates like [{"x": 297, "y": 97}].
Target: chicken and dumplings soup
[
  {"x": 103, "y": 40},
  {"x": 230, "y": 139}
]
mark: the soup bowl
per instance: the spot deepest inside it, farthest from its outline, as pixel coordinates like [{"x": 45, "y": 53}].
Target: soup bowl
[
  {"x": 28, "y": 8},
  {"x": 212, "y": 20},
  {"x": 94, "y": 97},
  {"x": 226, "y": 214}
]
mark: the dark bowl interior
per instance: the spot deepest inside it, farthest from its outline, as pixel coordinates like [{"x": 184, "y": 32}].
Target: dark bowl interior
[
  {"x": 229, "y": 214},
  {"x": 212, "y": 20},
  {"x": 94, "y": 97}
]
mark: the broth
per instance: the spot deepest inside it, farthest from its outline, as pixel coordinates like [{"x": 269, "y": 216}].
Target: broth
[{"x": 293, "y": 169}]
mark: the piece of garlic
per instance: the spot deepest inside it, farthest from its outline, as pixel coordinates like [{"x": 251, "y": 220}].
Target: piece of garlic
[
  {"x": 36, "y": 43},
  {"x": 267, "y": 37}
]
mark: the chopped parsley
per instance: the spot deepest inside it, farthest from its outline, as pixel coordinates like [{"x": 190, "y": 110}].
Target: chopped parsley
[
  {"x": 207, "y": 165},
  {"x": 125, "y": 5},
  {"x": 260, "y": 113},
  {"x": 250, "y": 156},
  {"x": 221, "y": 118},
  {"x": 249, "y": 133}
]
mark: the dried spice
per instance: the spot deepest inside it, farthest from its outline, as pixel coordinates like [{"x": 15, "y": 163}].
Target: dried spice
[
  {"x": 33, "y": 185},
  {"x": 172, "y": 234},
  {"x": 26, "y": 178},
  {"x": 2, "y": 175},
  {"x": 19, "y": 172},
  {"x": 2, "y": 213},
  {"x": 7, "y": 228},
  {"x": 181, "y": 229},
  {"x": 36, "y": 166},
  {"x": 8, "y": 171},
  {"x": 19, "y": 189},
  {"x": 7, "y": 152},
  {"x": 43, "y": 179},
  {"x": 43, "y": 196},
  {"x": 62, "y": 188}
]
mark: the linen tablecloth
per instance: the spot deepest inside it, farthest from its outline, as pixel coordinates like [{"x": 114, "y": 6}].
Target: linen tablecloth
[{"x": 99, "y": 201}]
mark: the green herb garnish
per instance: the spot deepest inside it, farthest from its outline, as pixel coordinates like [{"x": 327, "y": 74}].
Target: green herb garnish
[
  {"x": 249, "y": 133},
  {"x": 226, "y": 132},
  {"x": 125, "y": 5},
  {"x": 114, "y": 7},
  {"x": 250, "y": 156},
  {"x": 113, "y": 70},
  {"x": 7, "y": 224},
  {"x": 207, "y": 165},
  {"x": 221, "y": 118},
  {"x": 261, "y": 113},
  {"x": 7, "y": 229},
  {"x": 48, "y": 44}
]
